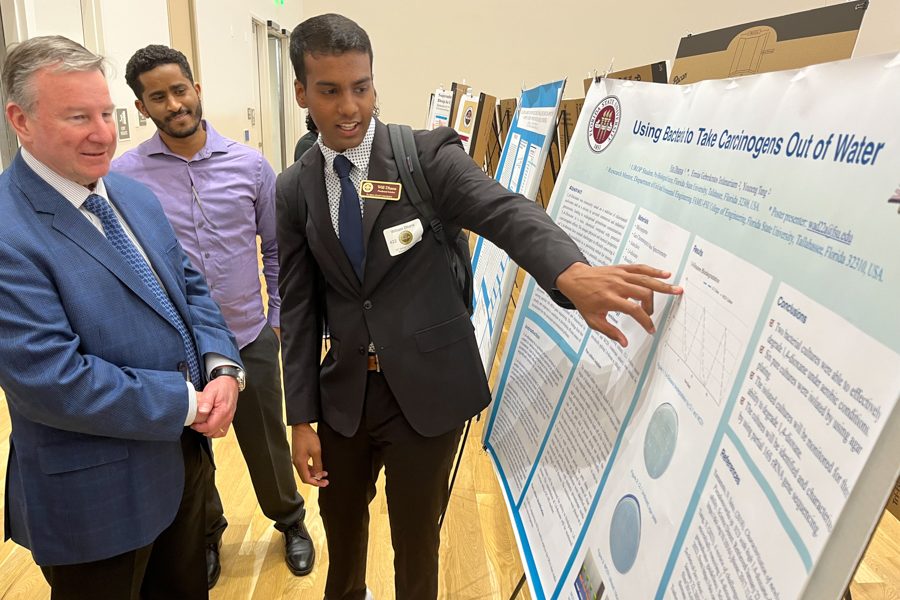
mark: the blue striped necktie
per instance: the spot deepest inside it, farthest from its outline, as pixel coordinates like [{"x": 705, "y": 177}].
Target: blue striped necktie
[
  {"x": 350, "y": 217},
  {"x": 119, "y": 239}
]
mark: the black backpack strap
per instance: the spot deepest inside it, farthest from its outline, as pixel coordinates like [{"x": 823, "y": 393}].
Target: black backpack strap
[
  {"x": 456, "y": 245},
  {"x": 407, "y": 158},
  {"x": 415, "y": 166}
]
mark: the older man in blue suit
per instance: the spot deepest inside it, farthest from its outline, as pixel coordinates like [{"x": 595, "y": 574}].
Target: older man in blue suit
[{"x": 115, "y": 361}]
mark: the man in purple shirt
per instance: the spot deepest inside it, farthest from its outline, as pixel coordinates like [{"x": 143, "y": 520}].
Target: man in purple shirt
[{"x": 219, "y": 195}]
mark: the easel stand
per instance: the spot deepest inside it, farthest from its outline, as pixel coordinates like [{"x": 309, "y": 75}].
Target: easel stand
[
  {"x": 518, "y": 588},
  {"x": 459, "y": 455}
]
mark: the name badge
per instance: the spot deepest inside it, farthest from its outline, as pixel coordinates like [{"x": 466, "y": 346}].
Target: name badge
[
  {"x": 380, "y": 190},
  {"x": 401, "y": 238}
]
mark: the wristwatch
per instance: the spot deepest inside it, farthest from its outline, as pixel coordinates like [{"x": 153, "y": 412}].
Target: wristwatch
[{"x": 230, "y": 371}]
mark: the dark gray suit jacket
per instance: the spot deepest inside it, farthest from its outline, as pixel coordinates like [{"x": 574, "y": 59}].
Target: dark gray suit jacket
[{"x": 408, "y": 305}]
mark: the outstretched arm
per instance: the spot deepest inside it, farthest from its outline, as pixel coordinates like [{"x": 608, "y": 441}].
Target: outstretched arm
[{"x": 597, "y": 291}]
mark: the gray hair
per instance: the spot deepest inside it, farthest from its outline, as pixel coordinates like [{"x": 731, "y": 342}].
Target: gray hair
[{"x": 50, "y": 51}]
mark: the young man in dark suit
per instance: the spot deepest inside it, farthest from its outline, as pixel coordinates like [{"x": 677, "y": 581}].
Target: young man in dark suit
[{"x": 403, "y": 372}]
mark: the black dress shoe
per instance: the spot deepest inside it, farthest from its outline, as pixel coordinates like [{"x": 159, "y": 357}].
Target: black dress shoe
[
  {"x": 299, "y": 552},
  {"x": 213, "y": 566}
]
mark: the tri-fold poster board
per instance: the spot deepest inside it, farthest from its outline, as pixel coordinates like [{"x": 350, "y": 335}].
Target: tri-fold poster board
[{"x": 787, "y": 42}]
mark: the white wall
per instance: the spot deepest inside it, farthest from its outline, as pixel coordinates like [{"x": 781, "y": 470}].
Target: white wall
[
  {"x": 53, "y": 17},
  {"x": 881, "y": 29},
  {"x": 226, "y": 64},
  {"x": 122, "y": 35},
  {"x": 498, "y": 46},
  {"x": 223, "y": 35}
]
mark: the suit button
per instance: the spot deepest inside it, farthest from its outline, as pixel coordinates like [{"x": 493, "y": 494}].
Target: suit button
[
  {"x": 367, "y": 305},
  {"x": 361, "y": 350}
]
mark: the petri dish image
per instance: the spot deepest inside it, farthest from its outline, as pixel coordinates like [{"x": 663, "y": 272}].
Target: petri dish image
[
  {"x": 625, "y": 533},
  {"x": 660, "y": 440}
]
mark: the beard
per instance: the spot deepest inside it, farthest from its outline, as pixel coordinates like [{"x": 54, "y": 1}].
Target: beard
[{"x": 188, "y": 130}]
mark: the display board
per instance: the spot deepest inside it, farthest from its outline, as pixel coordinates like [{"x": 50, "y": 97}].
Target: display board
[
  {"x": 787, "y": 42},
  {"x": 506, "y": 110},
  {"x": 568, "y": 116},
  {"x": 893, "y": 505},
  {"x": 439, "y": 109},
  {"x": 485, "y": 130},
  {"x": 748, "y": 448},
  {"x": 657, "y": 72},
  {"x": 494, "y": 147},
  {"x": 457, "y": 90},
  {"x": 519, "y": 170},
  {"x": 549, "y": 173},
  {"x": 466, "y": 118},
  {"x": 474, "y": 123}
]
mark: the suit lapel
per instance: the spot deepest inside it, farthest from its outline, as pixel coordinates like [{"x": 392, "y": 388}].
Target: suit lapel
[
  {"x": 381, "y": 168},
  {"x": 69, "y": 221},
  {"x": 313, "y": 192},
  {"x": 312, "y": 187}
]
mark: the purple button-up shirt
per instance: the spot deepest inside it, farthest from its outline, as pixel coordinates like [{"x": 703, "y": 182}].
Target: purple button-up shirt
[{"x": 218, "y": 202}]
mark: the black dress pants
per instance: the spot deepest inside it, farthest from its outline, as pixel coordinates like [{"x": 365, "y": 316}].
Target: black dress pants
[
  {"x": 417, "y": 472},
  {"x": 259, "y": 428},
  {"x": 173, "y": 566}
]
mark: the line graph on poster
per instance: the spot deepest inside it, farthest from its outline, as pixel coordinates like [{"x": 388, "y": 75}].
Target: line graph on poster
[{"x": 705, "y": 335}]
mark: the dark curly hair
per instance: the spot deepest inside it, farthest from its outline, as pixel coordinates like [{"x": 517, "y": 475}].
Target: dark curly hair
[
  {"x": 147, "y": 59},
  {"x": 330, "y": 34}
]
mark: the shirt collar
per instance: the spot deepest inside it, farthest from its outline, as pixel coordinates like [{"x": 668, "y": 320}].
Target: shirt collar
[
  {"x": 71, "y": 191},
  {"x": 214, "y": 143},
  {"x": 358, "y": 155}
]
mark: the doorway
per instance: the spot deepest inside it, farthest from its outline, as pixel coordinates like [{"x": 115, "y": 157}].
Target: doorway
[
  {"x": 8, "y": 143},
  {"x": 183, "y": 32},
  {"x": 276, "y": 99}
]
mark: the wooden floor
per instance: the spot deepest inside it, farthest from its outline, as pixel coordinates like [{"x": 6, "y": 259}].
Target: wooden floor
[{"x": 479, "y": 558}]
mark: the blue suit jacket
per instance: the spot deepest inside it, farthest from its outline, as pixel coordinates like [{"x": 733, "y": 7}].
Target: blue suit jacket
[{"x": 89, "y": 364}]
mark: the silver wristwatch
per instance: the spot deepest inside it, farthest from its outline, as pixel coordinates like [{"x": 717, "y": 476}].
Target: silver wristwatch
[{"x": 230, "y": 371}]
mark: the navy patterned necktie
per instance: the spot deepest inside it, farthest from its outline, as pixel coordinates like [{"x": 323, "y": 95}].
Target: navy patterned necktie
[
  {"x": 119, "y": 239},
  {"x": 350, "y": 217}
]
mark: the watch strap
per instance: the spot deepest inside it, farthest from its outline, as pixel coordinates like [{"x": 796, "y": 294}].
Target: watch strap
[{"x": 230, "y": 371}]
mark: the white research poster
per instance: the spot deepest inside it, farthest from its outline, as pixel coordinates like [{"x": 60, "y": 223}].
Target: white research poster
[
  {"x": 520, "y": 169},
  {"x": 746, "y": 449},
  {"x": 439, "y": 109}
]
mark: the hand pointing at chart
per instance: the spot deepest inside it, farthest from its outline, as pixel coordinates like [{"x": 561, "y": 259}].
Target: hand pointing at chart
[{"x": 597, "y": 291}]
